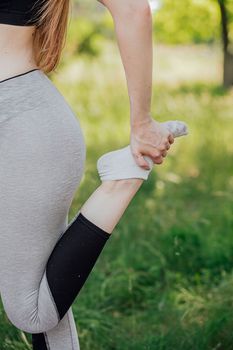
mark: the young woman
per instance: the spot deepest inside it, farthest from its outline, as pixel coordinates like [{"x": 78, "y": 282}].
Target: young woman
[{"x": 44, "y": 262}]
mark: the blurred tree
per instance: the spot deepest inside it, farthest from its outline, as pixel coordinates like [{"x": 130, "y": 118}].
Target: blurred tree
[
  {"x": 187, "y": 21},
  {"x": 179, "y": 22},
  {"x": 227, "y": 17}
]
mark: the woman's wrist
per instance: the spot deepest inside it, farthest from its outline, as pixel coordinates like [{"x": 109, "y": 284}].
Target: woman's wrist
[{"x": 139, "y": 120}]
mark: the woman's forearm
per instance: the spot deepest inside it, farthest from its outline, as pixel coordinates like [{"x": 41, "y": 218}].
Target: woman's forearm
[{"x": 133, "y": 27}]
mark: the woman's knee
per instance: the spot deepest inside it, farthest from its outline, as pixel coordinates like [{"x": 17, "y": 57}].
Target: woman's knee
[
  {"x": 29, "y": 324},
  {"x": 31, "y": 320}
]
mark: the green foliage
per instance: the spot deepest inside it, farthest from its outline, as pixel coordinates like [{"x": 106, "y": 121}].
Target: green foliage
[
  {"x": 177, "y": 22},
  {"x": 86, "y": 36},
  {"x": 187, "y": 21}
]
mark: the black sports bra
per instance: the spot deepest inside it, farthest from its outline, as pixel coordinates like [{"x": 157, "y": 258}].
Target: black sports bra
[{"x": 19, "y": 12}]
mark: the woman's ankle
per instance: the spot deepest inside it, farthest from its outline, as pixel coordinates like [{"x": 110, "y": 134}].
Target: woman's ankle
[{"x": 108, "y": 202}]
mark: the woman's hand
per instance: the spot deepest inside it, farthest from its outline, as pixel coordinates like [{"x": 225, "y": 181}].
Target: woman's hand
[{"x": 149, "y": 138}]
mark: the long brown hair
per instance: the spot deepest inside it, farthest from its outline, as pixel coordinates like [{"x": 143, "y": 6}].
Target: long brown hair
[{"x": 50, "y": 33}]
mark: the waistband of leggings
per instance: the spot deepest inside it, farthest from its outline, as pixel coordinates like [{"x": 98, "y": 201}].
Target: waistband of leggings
[
  {"x": 22, "y": 92},
  {"x": 24, "y": 81}
]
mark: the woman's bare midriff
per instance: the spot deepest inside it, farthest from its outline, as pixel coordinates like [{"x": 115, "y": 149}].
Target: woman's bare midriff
[{"x": 16, "y": 50}]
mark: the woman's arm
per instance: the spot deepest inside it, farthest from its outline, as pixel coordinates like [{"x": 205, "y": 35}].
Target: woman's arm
[{"x": 133, "y": 27}]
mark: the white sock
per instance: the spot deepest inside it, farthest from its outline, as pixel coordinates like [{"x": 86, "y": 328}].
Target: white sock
[
  {"x": 176, "y": 127},
  {"x": 120, "y": 164}
]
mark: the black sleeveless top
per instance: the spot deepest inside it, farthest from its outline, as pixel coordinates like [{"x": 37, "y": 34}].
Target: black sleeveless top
[{"x": 19, "y": 12}]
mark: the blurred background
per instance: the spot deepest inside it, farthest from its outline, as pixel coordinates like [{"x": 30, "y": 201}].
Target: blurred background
[{"x": 165, "y": 281}]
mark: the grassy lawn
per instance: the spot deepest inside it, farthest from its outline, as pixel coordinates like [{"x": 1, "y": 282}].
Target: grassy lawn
[{"x": 165, "y": 278}]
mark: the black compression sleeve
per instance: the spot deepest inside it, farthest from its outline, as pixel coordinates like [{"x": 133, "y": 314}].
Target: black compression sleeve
[{"x": 72, "y": 260}]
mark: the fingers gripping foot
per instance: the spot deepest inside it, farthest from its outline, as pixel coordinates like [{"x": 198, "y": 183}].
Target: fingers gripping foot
[{"x": 120, "y": 164}]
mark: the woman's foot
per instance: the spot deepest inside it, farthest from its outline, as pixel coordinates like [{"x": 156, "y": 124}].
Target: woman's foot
[{"x": 120, "y": 164}]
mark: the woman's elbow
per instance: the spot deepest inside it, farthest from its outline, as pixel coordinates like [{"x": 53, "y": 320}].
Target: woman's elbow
[{"x": 128, "y": 9}]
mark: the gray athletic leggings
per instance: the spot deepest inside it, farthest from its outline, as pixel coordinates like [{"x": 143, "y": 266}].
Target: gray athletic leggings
[{"x": 44, "y": 262}]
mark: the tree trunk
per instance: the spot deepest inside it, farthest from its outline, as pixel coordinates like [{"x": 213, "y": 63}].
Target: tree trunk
[
  {"x": 228, "y": 56},
  {"x": 228, "y": 70}
]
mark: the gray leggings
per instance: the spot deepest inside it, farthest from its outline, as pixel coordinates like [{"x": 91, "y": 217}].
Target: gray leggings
[{"x": 42, "y": 161}]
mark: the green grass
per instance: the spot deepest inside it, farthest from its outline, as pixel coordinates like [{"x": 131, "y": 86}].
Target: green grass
[{"x": 165, "y": 279}]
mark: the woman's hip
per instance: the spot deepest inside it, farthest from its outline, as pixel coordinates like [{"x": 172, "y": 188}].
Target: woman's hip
[
  {"x": 36, "y": 122},
  {"x": 42, "y": 146}
]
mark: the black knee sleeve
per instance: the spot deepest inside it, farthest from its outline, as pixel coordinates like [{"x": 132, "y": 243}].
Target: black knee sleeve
[{"x": 72, "y": 260}]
